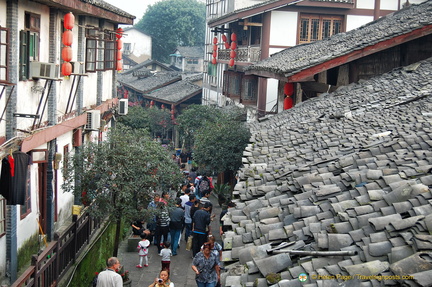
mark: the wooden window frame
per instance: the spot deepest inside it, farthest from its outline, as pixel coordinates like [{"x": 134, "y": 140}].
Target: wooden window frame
[
  {"x": 305, "y": 34},
  {"x": 232, "y": 84},
  {"x": 4, "y": 55},
  {"x": 25, "y": 209},
  {"x": 29, "y": 43},
  {"x": 249, "y": 90},
  {"x": 101, "y": 50}
]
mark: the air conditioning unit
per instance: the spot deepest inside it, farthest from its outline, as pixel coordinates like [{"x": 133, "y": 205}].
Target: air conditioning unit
[
  {"x": 93, "y": 120},
  {"x": 123, "y": 107},
  {"x": 77, "y": 67},
  {"x": 40, "y": 70}
]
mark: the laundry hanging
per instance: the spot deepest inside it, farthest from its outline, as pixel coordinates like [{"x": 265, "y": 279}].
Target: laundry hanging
[{"x": 13, "y": 178}]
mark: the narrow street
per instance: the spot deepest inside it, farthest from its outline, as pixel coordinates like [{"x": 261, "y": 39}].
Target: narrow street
[{"x": 181, "y": 272}]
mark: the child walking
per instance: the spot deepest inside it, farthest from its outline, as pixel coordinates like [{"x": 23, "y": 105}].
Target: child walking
[
  {"x": 143, "y": 250},
  {"x": 166, "y": 254}
]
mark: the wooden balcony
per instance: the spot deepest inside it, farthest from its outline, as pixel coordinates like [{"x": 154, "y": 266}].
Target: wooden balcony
[{"x": 246, "y": 54}]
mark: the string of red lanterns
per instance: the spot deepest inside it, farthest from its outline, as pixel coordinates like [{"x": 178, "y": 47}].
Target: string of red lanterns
[
  {"x": 67, "y": 39},
  {"x": 233, "y": 47},
  {"x": 288, "y": 91},
  {"x": 215, "y": 47},
  {"x": 119, "y": 35}
]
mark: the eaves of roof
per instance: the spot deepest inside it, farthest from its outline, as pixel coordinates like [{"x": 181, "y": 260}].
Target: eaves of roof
[
  {"x": 174, "y": 93},
  {"x": 97, "y": 8},
  {"x": 300, "y": 62},
  {"x": 268, "y": 6}
]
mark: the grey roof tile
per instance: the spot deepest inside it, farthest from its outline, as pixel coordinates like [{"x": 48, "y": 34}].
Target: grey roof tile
[
  {"x": 418, "y": 262},
  {"x": 367, "y": 269},
  {"x": 379, "y": 223}
]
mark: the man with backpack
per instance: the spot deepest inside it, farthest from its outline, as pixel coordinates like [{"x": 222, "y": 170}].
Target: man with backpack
[{"x": 204, "y": 185}]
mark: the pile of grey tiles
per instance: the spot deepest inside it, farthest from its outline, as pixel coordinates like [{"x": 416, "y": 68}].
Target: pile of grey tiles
[{"x": 349, "y": 172}]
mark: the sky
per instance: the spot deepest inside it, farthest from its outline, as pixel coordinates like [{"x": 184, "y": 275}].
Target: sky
[{"x": 134, "y": 7}]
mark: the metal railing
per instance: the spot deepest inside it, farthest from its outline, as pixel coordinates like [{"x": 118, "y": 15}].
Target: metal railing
[
  {"x": 52, "y": 263},
  {"x": 247, "y": 54}
]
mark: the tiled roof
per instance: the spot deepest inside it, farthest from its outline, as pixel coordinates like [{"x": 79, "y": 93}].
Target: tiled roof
[
  {"x": 145, "y": 83},
  {"x": 348, "y": 171},
  {"x": 174, "y": 93},
  {"x": 191, "y": 52},
  {"x": 295, "y": 59},
  {"x": 109, "y": 7}
]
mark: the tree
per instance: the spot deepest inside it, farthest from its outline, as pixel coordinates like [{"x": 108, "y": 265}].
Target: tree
[
  {"x": 192, "y": 119},
  {"x": 115, "y": 178},
  {"x": 219, "y": 145},
  {"x": 173, "y": 23},
  {"x": 157, "y": 121}
]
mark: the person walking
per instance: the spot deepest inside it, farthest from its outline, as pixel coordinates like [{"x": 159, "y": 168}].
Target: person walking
[
  {"x": 200, "y": 227},
  {"x": 163, "y": 280},
  {"x": 109, "y": 277},
  {"x": 206, "y": 267},
  {"x": 187, "y": 215},
  {"x": 166, "y": 254},
  {"x": 143, "y": 251},
  {"x": 176, "y": 225},
  {"x": 152, "y": 224},
  {"x": 162, "y": 228}
]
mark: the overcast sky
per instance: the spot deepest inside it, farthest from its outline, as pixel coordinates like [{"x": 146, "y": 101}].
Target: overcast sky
[{"x": 134, "y": 7}]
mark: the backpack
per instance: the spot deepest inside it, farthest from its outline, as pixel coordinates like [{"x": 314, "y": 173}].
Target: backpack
[{"x": 204, "y": 185}]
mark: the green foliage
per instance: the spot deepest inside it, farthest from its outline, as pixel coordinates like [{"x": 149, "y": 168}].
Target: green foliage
[
  {"x": 119, "y": 174},
  {"x": 156, "y": 121},
  {"x": 30, "y": 247},
  {"x": 193, "y": 119},
  {"x": 137, "y": 118},
  {"x": 173, "y": 23},
  {"x": 95, "y": 260}
]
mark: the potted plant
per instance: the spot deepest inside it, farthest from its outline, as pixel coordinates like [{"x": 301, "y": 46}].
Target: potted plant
[{"x": 125, "y": 276}]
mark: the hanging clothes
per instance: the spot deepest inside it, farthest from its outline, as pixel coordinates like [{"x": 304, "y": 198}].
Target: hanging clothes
[{"x": 13, "y": 184}]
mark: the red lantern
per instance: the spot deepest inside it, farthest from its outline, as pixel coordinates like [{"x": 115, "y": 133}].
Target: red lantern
[
  {"x": 233, "y": 37},
  {"x": 162, "y": 106},
  {"x": 214, "y": 61},
  {"x": 227, "y": 45},
  {"x": 119, "y": 55},
  {"x": 119, "y": 33},
  {"x": 215, "y": 40},
  {"x": 231, "y": 62},
  {"x": 119, "y": 44},
  {"x": 233, "y": 45},
  {"x": 288, "y": 89},
  {"x": 151, "y": 103},
  {"x": 69, "y": 21},
  {"x": 66, "y": 69},
  {"x": 224, "y": 38},
  {"x": 233, "y": 54},
  {"x": 67, "y": 54},
  {"x": 214, "y": 47},
  {"x": 214, "y": 54},
  {"x": 288, "y": 103},
  {"x": 67, "y": 38},
  {"x": 119, "y": 65}
]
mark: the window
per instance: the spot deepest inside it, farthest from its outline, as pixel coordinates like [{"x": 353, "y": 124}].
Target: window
[
  {"x": 232, "y": 84},
  {"x": 29, "y": 43},
  {"x": 101, "y": 50},
  {"x": 4, "y": 49},
  {"x": 249, "y": 90},
  {"x": 127, "y": 48},
  {"x": 2, "y": 216},
  {"x": 26, "y": 207},
  {"x": 192, "y": 61},
  {"x": 316, "y": 27}
]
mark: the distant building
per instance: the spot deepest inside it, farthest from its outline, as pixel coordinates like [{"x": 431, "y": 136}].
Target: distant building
[
  {"x": 137, "y": 47},
  {"x": 188, "y": 59}
]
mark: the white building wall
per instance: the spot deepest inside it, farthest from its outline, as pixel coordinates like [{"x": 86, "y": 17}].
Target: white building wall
[
  {"x": 365, "y": 4},
  {"x": 65, "y": 199},
  {"x": 283, "y": 30},
  {"x": 389, "y": 5},
  {"x": 140, "y": 43},
  {"x": 354, "y": 21},
  {"x": 272, "y": 93},
  {"x": 28, "y": 226}
]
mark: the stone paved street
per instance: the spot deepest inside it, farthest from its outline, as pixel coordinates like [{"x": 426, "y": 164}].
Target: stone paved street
[{"x": 181, "y": 271}]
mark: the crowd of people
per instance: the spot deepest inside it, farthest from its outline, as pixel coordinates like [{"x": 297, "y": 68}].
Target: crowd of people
[{"x": 183, "y": 215}]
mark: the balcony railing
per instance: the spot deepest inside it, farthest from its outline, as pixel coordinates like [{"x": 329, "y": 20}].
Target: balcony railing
[{"x": 247, "y": 54}]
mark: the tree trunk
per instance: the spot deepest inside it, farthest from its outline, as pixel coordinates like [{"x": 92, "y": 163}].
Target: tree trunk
[{"x": 117, "y": 237}]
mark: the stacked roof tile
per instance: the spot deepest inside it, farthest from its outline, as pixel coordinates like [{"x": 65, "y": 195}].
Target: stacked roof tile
[{"x": 348, "y": 172}]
